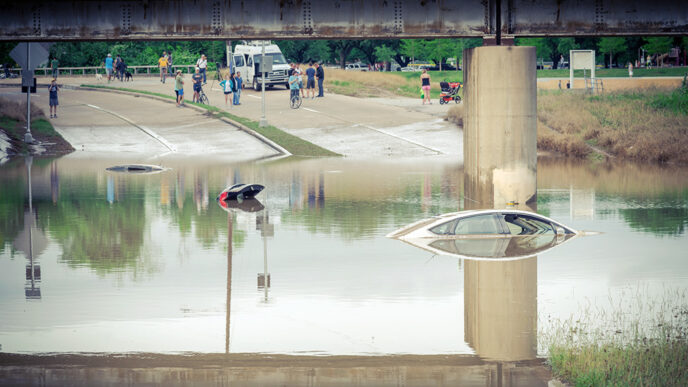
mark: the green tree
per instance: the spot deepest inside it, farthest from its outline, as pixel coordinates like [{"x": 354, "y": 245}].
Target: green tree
[
  {"x": 412, "y": 48},
  {"x": 438, "y": 50},
  {"x": 658, "y": 45},
  {"x": 342, "y": 49},
  {"x": 543, "y": 49},
  {"x": 564, "y": 45},
  {"x": 612, "y": 46}
]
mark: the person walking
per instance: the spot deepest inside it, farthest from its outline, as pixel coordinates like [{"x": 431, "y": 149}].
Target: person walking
[
  {"x": 320, "y": 76},
  {"x": 118, "y": 60},
  {"x": 54, "y": 66},
  {"x": 121, "y": 68},
  {"x": 425, "y": 85},
  {"x": 299, "y": 74},
  {"x": 310, "y": 81},
  {"x": 162, "y": 65},
  {"x": 226, "y": 86},
  {"x": 179, "y": 88},
  {"x": 196, "y": 80},
  {"x": 630, "y": 70},
  {"x": 169, "y": 63},
  {"x": 108, "y": 66},
  {"x": 202, "y": 64},
  {"x": 52, "y": 89},
  {"x": 239, "y": 83}
]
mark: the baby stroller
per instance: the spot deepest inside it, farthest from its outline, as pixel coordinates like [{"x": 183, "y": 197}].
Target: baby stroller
[{"x": 450, "y": 91}]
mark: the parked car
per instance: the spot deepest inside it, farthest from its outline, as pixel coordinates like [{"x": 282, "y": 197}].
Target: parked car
[
  {"x": 356, "y": 67},
  {"x": 486, "y": 234},
  {"x": 445, "y": 67}
]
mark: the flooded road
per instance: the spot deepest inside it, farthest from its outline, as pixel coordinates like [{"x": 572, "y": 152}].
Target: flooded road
[{"x": 107, "y": 262}]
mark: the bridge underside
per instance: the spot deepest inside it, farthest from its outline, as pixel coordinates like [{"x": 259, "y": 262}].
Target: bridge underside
[{"x": 336, "y": 19}]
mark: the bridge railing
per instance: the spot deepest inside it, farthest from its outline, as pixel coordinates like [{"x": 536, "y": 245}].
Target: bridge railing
[{"x": 92, "y": 70}]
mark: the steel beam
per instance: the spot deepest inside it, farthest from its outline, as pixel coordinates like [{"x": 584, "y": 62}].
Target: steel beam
[{"x": 34, "y": 20}]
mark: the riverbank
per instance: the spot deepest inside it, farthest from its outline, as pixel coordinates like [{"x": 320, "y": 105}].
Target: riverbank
[
  {"x": 616, "y": 347},
  {"x": 641, "y": 125},
  {"x": 13, "y": 128}
]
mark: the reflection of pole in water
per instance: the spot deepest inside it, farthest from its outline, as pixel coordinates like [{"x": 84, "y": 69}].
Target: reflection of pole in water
[
  {"x": 321, "y": 190},
  {"x": 229, "y": 276},
  {"x": 110, "y": 190},
  {"x": 54, "y": 182},
  {"x": 33, "y": 271}
]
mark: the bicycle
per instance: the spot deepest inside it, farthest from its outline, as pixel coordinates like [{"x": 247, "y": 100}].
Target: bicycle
[
  {"x": 295, "y": 101},
  {"x": 202, "y": 98}
]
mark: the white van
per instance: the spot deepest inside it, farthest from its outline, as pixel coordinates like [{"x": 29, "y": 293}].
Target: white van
[{"x": 247, "y": 59}]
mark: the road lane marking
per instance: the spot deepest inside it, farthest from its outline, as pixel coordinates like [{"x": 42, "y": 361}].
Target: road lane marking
[
  {"x": 149, "y": 132},
  {"x": 402, "y": 138},
  {"x": 311, "y": 110}
]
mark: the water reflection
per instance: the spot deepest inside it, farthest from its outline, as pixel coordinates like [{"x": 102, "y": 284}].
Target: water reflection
[{"x": 323, "y": 245}]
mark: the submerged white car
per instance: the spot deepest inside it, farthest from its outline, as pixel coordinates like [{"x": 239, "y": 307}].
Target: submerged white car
[{"x": 486, "y": 234}]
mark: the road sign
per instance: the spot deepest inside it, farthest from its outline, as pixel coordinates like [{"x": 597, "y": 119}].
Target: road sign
[
  {"x": 37, "y": 54},
  {"x": 32, "y": 88},
  {"x": 266, "y": 67}
]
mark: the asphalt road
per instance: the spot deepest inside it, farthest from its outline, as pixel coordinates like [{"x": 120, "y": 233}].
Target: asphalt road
[{"x": 109, "y": 123}]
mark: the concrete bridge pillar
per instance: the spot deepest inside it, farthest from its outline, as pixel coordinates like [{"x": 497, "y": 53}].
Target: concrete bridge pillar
[{"x": 500, "y": 126}]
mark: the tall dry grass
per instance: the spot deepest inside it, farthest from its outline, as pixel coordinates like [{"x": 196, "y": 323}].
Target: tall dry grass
[
  {"x": 636, "y": 340},
  {"x": 16, "y": 110},
  {"x": 627, "y": 125}
]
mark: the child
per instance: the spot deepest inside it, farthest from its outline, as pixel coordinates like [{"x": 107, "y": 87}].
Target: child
[
  {"x": 179, "y": 88},
  {"x": 226, "y": 86},
  {"x": 53, "y": 88}
]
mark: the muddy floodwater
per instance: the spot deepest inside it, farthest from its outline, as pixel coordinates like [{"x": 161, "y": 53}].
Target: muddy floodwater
[{"x": 93, "y": 260}]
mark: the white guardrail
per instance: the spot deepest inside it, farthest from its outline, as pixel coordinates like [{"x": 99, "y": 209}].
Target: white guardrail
[{"x": 47, "y": 71}]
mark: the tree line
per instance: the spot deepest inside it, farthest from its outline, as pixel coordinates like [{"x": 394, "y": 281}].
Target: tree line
[{"x": 609, "y": 50}]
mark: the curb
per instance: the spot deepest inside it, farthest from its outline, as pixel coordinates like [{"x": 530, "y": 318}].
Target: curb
[{"x": 230, "y": 121}]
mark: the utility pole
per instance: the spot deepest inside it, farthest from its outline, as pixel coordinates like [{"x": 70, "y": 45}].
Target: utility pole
[
  {"x": 263, "y": 122},
  {"x": 28, "y": 138}
]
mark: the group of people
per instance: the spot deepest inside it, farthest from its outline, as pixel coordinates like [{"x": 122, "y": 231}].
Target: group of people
[
  {"x": 232, "y": 84},
  {"x": 116, "y": 67},
  {"x": 314, "y": 73}
]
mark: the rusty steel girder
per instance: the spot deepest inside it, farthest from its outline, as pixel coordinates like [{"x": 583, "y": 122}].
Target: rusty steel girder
[{"x": 336, "y": 19}]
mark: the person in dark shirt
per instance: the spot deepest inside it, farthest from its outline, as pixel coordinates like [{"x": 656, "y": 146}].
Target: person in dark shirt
[
  {"x": 320, "y": 76},
  {"x": 52, "y": 89},
  {"x": 310, "y": 81},
  {"x": 196, "y": 79}
]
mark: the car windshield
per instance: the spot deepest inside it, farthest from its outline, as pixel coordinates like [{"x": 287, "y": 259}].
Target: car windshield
[
  {"x": 519, "y": 224},
  {"x": 277, "y": 58}
]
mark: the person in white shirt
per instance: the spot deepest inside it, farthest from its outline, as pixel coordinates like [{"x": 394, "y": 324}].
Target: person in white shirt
[{"x": 202, "y": 64}]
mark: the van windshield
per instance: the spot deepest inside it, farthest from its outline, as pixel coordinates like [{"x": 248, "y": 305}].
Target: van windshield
[{"x": 277, "y": 58}]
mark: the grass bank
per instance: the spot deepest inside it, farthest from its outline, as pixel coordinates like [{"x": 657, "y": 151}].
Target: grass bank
[
  {"x": 385, "y": 84},
  {"x": 635, "y": 342},
  {"x": 642, "y": 125},
  {"x": 295, "y": 145},
  {"x": 407, "y": 84},
  {"x": 13, "y": 123}
]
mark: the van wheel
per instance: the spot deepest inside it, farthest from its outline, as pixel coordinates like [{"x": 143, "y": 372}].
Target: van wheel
[
  {"x": 286, "y": 85},
  {"x": 256, "y": 85}
]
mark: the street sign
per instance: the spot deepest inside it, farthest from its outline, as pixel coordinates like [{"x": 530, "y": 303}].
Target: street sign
[
  {"x": 266, "y": 67},
  {"x": 37, "y": 54},
  {"x": 32, "y": 88}
]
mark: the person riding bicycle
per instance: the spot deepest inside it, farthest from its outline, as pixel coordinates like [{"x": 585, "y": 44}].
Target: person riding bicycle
[
  {"x": 294, "y": 80},
  {"x": 196, "y": 79}
]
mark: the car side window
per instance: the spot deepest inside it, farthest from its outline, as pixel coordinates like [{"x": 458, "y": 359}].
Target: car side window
[
  {"x": 479, "y": 224},
  {"x": 249, "y": 61},
  {"x": 527, "y": 225},
  {"x": 447, "y": 228}
]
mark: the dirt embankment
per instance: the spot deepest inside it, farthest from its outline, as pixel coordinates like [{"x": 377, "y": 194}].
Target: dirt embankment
[{"x": 13, "y": 128}]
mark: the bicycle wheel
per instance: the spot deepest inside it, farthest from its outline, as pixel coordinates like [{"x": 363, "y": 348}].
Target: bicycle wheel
[
  {"x": 295, "y": 102},
  {"x": 203, "y": 99}
]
